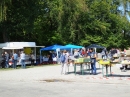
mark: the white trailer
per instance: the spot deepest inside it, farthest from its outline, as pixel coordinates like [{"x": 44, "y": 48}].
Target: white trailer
[{"x": 12, "y": 46}]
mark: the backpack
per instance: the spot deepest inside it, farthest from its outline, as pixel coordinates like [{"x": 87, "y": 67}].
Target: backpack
[{"x": 62, "y": 58}]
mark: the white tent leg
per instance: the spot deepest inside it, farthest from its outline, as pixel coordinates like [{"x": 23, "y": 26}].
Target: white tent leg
[
  {"x": 71, "y": 51},
  {"x": 13, "y": 51},
  {"x": 35, "y": 53},
  {"x": 40, "y": 56}
]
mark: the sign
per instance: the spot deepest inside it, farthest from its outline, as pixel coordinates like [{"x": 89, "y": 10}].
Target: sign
[{"x": 27, "y": 50}]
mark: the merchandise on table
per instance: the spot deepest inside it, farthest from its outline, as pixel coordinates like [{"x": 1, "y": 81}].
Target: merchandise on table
[
  {"x": 116, "y": 55},
  {"x": 116, "y": 60},
  {"x": 104, "y": 62},
  {"x": 79, "y": 60},
  {"x": 82, "y": 60},
  {"x": 87, "y": 60},
  {"x": 125, "y": 62}
]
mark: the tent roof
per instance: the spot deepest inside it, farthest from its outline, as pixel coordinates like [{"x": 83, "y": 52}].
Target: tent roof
[
  {"x": 12, "y": 48},
  {"x": 95, "y": 46},
  {"x": 70, "y": 46},
  {"x": 53, "y": 47}
]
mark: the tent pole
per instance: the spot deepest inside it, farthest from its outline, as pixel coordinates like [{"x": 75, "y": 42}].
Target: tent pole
[
  {"x": 71, "y": 51},
  {"x": 57, "y": 56},
  {"x": 13, "y": 51},
  {"x": 40, "y": 56},
  {"x": 95, "y": 50},
  {"x": 35, "y": 52}
]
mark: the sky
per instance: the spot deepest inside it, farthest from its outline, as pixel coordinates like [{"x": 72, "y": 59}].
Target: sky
[{"x": 123, "y": 10}]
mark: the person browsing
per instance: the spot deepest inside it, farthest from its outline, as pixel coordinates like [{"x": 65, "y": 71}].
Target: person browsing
[
  {"x": 92, "y": 55},
  {"x": 22, "y": 57},
  {"x": 15, "y": 57}
]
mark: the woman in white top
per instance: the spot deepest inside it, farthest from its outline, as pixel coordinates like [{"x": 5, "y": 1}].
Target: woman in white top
[{"x": 22, "y": 58}]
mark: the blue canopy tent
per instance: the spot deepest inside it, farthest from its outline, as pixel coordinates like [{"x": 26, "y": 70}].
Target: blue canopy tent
[
  {"x": 56, "y": 47},
  {"x": 53, "y": 47},
  {"x": 71, "y": 47}
]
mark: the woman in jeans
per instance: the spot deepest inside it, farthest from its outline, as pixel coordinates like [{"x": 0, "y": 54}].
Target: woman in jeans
[
  {"x": 14, "y": 58},
  {"x": 22, "y": 58}
]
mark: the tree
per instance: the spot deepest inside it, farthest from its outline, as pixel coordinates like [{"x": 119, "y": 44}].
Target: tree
[
  {"x": 3, "y": 8},
  {"x": 21, "y": 17},
  {"x": 104, "y": 26},
  {"x": 81, "y": 22}
]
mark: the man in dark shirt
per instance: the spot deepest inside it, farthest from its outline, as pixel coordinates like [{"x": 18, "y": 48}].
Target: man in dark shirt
[
  {"x": 50, "y": 60},
  {"x": 3, "y": 61},
  {"x": 6, "y": 60},
  {"x": 92, "y": 55},
  {"x": 113, "y": 51}
]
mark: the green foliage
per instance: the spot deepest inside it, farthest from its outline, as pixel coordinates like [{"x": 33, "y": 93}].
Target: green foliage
[{"x": 81, "y": 22}]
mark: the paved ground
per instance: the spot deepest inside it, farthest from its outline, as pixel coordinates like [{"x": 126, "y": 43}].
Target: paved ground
[{"x": 46, "y": 81}]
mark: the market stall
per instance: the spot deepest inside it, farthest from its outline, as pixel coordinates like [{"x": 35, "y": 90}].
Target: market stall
[
  {"x": 82, "y": 62},
  {"x": 27, "y": 47}
]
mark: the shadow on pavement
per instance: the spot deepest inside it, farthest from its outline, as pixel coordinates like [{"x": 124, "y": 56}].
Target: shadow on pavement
[
  {"x": 119, "y": 75},
  {"x": 85, "y": 73}
]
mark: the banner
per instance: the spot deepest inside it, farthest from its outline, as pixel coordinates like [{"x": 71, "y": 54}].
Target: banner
[{"x": 27, "y": 50}]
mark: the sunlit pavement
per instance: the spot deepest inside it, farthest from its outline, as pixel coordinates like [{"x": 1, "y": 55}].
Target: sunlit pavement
[{"x": 47, "y": 81}]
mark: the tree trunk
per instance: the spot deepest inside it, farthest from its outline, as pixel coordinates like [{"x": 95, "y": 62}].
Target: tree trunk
[
  {"x": 5, "y": 38},
  {"x": 4, "y": 32}
]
